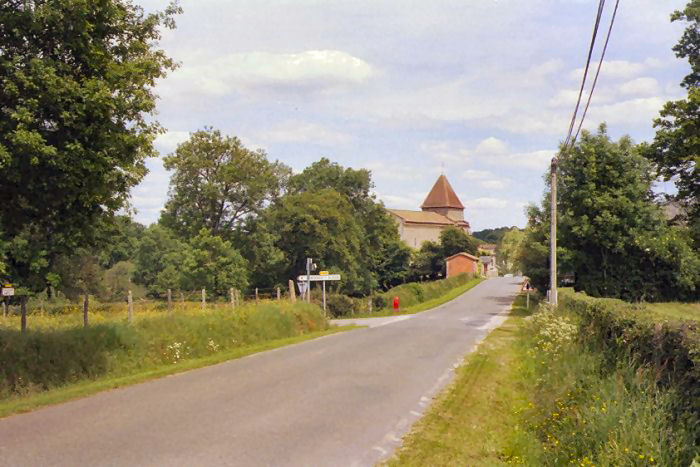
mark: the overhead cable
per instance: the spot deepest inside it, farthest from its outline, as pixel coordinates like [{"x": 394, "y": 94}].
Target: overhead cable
[{"x": 595, "y": 80}]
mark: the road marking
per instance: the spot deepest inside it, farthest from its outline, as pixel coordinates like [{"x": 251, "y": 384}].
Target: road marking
[
  {"x": 395, "y": 320},
  {"x": 381, "y": 450},
  {"x": 415, "y": 414}
]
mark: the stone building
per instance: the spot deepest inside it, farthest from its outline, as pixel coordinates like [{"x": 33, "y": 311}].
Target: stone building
[{"x": 441, "y": 209}]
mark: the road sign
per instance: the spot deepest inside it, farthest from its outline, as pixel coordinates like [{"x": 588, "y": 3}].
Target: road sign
[
  {"x": 8, "y": 291},
  {"x": 302, "y": 287},
  {"x": 323, "y": 273},
  {"x": 319, "y": 277}
]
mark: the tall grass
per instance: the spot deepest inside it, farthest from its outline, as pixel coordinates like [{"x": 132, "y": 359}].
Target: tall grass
[
  {"x": 587, "y": 412},
  {"x": 55, "y": 351}
]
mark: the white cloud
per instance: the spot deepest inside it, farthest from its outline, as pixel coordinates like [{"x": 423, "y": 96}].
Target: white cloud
[
  {"x": 493, "y": 184},
  {"x": 640, "y": 87},
  {"x": 476, "y": 174},
  {"x": 293, "y": 131},
  {"x": 485, "y": 203},
  {"x": 491, "y": 147},
  {"x": 634, "y": 111},
  {"x": 617, "y": 69},
  {"x": 316, "y": 70},
  {"x": 167, "y": 142}
]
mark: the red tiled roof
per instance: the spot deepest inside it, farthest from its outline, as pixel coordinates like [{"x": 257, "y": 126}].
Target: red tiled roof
[
  {"x": 442, "y": 196},
  {"x": 421, "y": 217}
]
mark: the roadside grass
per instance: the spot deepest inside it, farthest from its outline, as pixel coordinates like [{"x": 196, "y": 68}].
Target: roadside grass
[
  {"x": 21, "y": 404},
  {"x": 675, "y": 310},
  {"x": 427, "y": 305},
  {"x": 469, "y": 422},
  {"x": 537, "y": 393},
  {"x": 57, "y": 359}
]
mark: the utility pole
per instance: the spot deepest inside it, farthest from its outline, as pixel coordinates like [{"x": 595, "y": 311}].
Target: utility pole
[{"x": 553, "y": 238}]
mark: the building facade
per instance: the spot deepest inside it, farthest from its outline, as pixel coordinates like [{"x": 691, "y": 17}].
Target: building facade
[{"x": 441, "y": 209}]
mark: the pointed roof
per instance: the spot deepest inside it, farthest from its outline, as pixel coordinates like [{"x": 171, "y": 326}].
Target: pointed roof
[{"x": 442, "y": 196}]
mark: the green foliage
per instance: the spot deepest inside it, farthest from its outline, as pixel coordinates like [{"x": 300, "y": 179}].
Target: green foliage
[
  {"x": 384, "y": 254},
  {"x": 671, "y": 350},
  {"x": 320, "y": 225},
  {"x": 120, "y": 242},
  {"x": 429, "y": 261},
  {"x": 211, "y": 262},
  {"x": 414, "y": 293},
  {"x": 588, "y": 411},
  {"x": 217, "y": 183},
  {"x": 492, "y": 235},
  {"x": 676, "y": 146},
  {"x": 117, "y": 281},
  {"x": 339, "y": 305},
  {"x": 78, "y": 274},
  {"x": 41, "y": 360},
  {"x": 612, "y": 236},
  {"x": 77, "y": 83},
  {"x": 509, "y": 251},
  {"x": 158, "y": 260}
]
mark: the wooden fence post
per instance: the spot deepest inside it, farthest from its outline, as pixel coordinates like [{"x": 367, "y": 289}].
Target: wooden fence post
[
  {"x": 170, "y": 301},
  {"x": 85, "y": 310},
  {"x": 130, "y": 300},
  {"x": 204, "y": 298},
  {"x": 232, "y": 298},
  {"x": 292, "y": 293},
  {"x": 4, "y": 307},
  {"x": 279, "y": 294},
  {"x": 370, "y": 304},
  {"x": 256, "y": 296},
  {"x": 182, "y": 299},
  {"x": 23, "y": 305}
]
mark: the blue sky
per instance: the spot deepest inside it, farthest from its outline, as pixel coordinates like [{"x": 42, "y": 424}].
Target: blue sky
[{"x": 480, "y": 89}]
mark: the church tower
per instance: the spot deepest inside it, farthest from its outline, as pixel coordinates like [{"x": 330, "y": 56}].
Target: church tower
[{"x": 443, "y": 200}]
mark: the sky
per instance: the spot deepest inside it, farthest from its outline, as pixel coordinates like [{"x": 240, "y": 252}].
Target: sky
[{"x": 480, "y": 90}]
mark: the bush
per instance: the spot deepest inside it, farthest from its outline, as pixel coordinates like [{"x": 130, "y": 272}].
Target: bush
[
  {"x": 671, "y": 350},
  {"x": 414, "y": 293},
  {"x": 339, "y": 305},
  {"x": 379, "y": 302}
]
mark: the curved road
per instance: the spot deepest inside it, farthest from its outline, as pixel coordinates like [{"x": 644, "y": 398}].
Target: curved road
[{"x": 344, "y": 399}]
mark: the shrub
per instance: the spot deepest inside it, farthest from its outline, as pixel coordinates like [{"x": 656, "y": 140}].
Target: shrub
[
  {"x": 339, "y": 305},
  {"x": 379, "y": 302}
]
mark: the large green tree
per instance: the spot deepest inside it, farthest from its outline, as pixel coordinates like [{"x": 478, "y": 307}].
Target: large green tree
[
  {"x": 676, "y": 146},
  {"x": 217, "y": 183},
  {"x": 76, "y": 98},
  {"x": 612, "y": 235},
  {"x": 321, "y": 225},
  {"x": 508, "y": 250},
  {"x": 385, "y": 255}
]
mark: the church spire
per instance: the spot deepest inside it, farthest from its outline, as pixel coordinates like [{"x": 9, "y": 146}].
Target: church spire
[{"x": 442, "y": 196}]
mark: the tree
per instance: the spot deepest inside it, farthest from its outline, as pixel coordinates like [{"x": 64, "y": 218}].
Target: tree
[
  {"x": 385, "y": 255},
  {"x": 320, "y": 225},
  {"x": 454, "y": 240},
  {"x": 217, "y": 183},
  {"x": 120, "y": 240},
  {"x": 508, "y": 250},
  {"x": 492, "y": 235},
  {"x": 158, "y": 260},
  {"x": 213, "y": 263},
  {"x": 77, "y": 96},
  {"x": 613, "y": 237},
  {"x": 676, "y": 146}
]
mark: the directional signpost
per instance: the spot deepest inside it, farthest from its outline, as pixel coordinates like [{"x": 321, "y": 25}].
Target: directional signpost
[
  {"x": 323, "y": 276},
  {"x": 7, "y": 292}
]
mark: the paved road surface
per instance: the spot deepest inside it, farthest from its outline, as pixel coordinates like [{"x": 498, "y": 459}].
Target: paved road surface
[{"x": 344, "y": 399}]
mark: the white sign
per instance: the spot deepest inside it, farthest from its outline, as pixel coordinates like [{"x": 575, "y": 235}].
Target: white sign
[
  {"x": 319, "y": 277},
  {"x": 302, "y": 288},
  {"x": 8, "y": 291}
]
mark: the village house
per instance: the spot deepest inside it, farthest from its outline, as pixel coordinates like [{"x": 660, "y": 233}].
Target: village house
[{"x": 441, "y": 209}]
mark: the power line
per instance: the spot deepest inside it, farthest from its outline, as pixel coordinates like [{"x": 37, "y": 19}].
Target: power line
[
  {"x": 601, "y": 5},
  {"x": 595, "y": 80}
]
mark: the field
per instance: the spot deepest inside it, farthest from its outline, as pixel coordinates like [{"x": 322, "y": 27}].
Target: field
[
  {"x": 676, "y": 311},
  {"x": 58, "y": 358}
]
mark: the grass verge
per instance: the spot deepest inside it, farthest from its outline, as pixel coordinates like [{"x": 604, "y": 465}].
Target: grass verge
[
  {"x": 427, "y": 305},
  {"x": 86, "y": 388},
  {"x": 675, "y": 310},
  {"x": 468, "y": 422}
]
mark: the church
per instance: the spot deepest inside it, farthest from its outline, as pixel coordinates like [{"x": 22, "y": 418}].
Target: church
[{"x": 441, "y": 209}]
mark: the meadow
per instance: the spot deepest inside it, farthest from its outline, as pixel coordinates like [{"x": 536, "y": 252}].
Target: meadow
[{"x": 56, "y": 351}]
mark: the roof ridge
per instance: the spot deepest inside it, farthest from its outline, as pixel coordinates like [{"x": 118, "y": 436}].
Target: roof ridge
[{"x": 442, "y": 195}]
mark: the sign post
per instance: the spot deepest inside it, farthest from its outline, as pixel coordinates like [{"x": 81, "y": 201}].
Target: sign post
[
  {"x": 323, "y": 276},
  {"x": 7, "y": 292}
]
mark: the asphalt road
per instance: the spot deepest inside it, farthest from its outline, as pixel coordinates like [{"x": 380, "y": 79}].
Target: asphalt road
[{"x": 344, "y": 399}]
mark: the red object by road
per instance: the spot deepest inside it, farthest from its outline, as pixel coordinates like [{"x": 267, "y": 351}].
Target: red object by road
[{"x": 396, "y": 304}]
